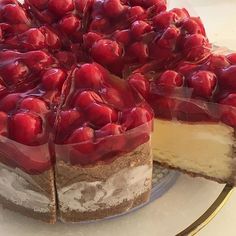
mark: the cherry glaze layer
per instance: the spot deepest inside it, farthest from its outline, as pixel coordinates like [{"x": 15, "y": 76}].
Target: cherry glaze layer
[{"x": 68, "y": 54}]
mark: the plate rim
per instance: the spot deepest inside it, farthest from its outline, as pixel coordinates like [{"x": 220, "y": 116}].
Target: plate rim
[{"x": 209, "y": 214}]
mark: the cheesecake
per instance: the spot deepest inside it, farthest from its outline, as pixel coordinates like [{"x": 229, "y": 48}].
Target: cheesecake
[
  {"x": 194, "y": 128},
  {"x": 90, "y": 90}
]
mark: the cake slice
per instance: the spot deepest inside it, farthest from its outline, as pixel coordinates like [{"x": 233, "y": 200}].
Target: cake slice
[
  {"x": 194, "y": 127},
  {"x": 27, "y": 118},
  {"x": 103, "y": 153}
]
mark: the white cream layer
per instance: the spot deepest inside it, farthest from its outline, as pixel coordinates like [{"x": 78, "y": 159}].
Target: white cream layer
[
  {"x": 15, "y": 188},
  {"x": 91, "y": 196},
  {"x": 205, "y": 148}
]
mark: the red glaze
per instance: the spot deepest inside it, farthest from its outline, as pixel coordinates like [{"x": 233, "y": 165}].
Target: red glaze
[
  {"x": 203, "y": 83},
  {"x": 25, "y": 128}
]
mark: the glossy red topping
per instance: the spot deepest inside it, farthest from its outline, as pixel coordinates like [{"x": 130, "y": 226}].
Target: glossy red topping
[{"x": 59, "y": 63}]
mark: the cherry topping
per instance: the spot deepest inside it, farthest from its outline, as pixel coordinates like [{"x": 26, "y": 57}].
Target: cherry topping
[
  {"x": 3, "y": 123},
  {"x": 60, "y": 7},
  {"x": 88, "y": 76},
  {"x": 9, "y": 102},
  {"x": 113, "y": 8},
  {"x": 196, "y": 47},
  {"x": 32, "y": 39},
  {"x": 203, "y": 83},
  {"x": 68, "y": 118},
  {"x": 139, "y": 82},
  {"x": 136, "y": 117},
  {"x": 228, "y": 111},
  {"x": 37, "y": 60},
  {"x": 228, "y": 77},
  {"x": 106, "y": 51},
  {"x": 232, "y": 58},
  {"x": 34, "y": 104},
  {"x": 25, "y": 128},
  {"x": 40, "y": 4},
  {"x": 70, "y": 24},
  {"x": 109, "y": 129},
  {"x": 104, "y": 114},
  {"x": 136, "y": 13},
  {"x": 83, "y": 138},
  {"x": 86, "y": 98},
  {"x": 138, "y": 28},
  {"x": 14, "y": 14},
  {"x": 53, "y": 79},
  {"x": 170, "y": 78}
]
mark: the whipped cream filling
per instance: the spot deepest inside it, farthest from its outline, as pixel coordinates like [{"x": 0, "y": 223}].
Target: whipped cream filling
[
  {"x": 124, "y": 185},
  {"x": 15, "y": 188}
]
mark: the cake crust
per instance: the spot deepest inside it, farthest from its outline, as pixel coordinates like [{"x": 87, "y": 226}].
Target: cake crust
[
  {"x": 42, "y": 184},
  {"x": 101, "y": 172}
]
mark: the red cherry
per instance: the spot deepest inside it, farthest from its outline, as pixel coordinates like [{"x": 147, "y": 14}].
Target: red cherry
[
  {"x": 40, "y": 4},
  {"x": 25, "y": 128},
  {"x": 140, "y": 83},
  {"x": 110, "y": 139},
  {"x": 83, "y": 137},
  {"x": 69, "y": 24},
  {"x": 14, "y": 14},
  {"x": 90, "y": 38},
  {"x": 109, "y": 129},
  {"x": 52, "y": 40},
  {"x": 164, "y": 20},
  {"x": 113, "y": 97},
  {"x": 88, "y": 76},
  {"x": 196, "y": 47},
  {"x": 37, "y": 60},
  {"x": 86, "y": 98},
  {"x": 136, "y": 13},
  {"x": 100, "y": 114},
  {"x": 232, "y": 58},
  {"x": 139, "y": 27},
  {"x": 80, "y": 135},
  {"x": 139, "y": 50},
  {"x": 14, "y": 72},
  {"x": 161, "y": 4},
  {"x": 113, "y": 8},
  {"x": 217, "y": 62},
  {"x": 60, "y": 7},
  {"x": 66, "y": 59},
  {"x": 191, "y": 111},
  {"x": 106, "y": 51},
  {"x": 228, "y": 110},
  {"x": 163, "y": 106},
  {"x": 230, "y": 100},
  {"x": 83, "y": 5},
  {"x": 32, "y": 39},
  {"x": 68, "y": 118},
  {"x": 181, "y": 13},
  {"x": 227, "y": 78},
  {"x": 53, "y": 79},
  {"x": 136, "y": 117},
  {"x": 3, "y": 123},
  {"x": 203, "y": 83},
  {"x": 123, "y": 36},
  {"x": 9, "y": 102},
  {"x": 99, "y": 25},
  {"x": 193, "y": 25},
  {"x": 170, "y": 78},
  {"x": 34, "y": 104},
  {"x": 186, "y": 68}
]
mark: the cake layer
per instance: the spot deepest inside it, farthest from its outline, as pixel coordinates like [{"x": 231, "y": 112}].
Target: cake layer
[
  {"x": 204, "y": 149},
  {"x": 31, "y": 195},
  {"x": 103, "y": 190}
]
